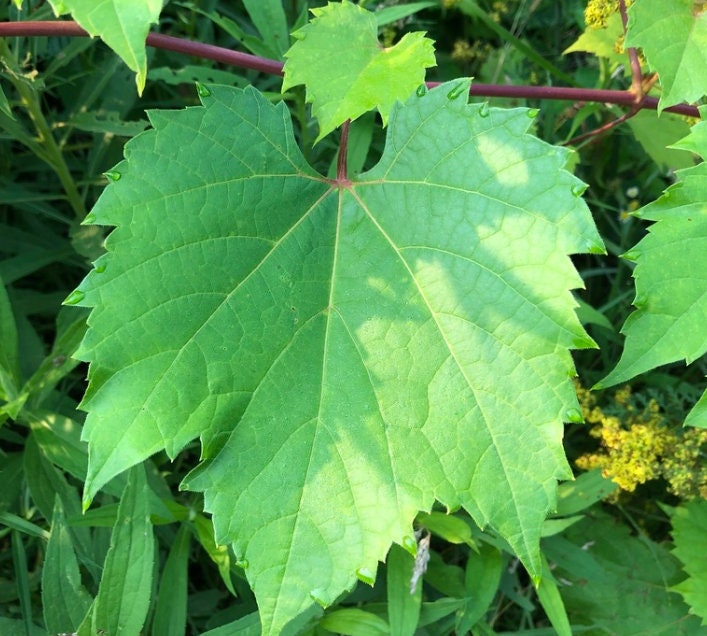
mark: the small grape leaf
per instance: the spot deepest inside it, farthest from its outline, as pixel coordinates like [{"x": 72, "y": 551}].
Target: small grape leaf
[
  {"x": 690, "y": 538},
  {"x": 673, "y": 36},
  {"x": 671, "y": 279},
  {"x": 348, "y": 351},
  {"x": 123, "y": 26},
  {"x": 347, "y": 73}
]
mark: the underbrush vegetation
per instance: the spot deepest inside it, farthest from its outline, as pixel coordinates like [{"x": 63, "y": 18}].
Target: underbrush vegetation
[{"x": 350, "y": 318}]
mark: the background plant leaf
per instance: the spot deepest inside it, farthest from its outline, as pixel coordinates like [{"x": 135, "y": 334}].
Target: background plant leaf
[
  {"x": 343, "y": 82},
  {"x": 690, "y": 537},
  {"x": 671, "y": 284},
  {"x": 348, "y": 347},
  {"x": 123, "y": 26},
  {"x": 616, "y": 583},
  {"x": 673, "y": 36}
]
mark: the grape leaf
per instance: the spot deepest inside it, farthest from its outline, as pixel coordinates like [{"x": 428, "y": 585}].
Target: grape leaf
[
  {"x": 671, "y": 279},
  {"x": 689, "y": 534},
  {"x": 348, "y": 351},
  {"x": 347, "y": 73},
  {"x": 673, "y": 36},
  {"x": 123, "y": 26}
]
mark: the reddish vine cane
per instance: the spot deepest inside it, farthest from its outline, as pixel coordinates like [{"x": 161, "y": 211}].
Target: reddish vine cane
[{"x": 635, "y": 97}]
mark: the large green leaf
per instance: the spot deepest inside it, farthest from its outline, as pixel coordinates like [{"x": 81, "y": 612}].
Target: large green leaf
[
  {"x": 123, "y": 26},
  {"x": 348, "y": 351},
  {"x": 671, "y": 279},
  {"x": 364, "y": 76},
  {"x": 690, "y": 536},
  {"x": 673, "y": 36}
]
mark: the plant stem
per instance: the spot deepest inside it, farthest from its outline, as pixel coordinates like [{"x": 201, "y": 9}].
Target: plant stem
[
  {"x": 44, "y": 145},
  {"x": 244, "y": 60},
  {"x": 341, "y": 169}
]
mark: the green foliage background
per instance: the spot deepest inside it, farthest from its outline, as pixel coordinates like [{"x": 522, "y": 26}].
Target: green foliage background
[{"x": 352, "y": 361}]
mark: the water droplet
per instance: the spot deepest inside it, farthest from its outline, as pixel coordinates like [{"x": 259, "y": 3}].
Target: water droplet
[
  {"x": 89, "y": 219},
  {"x": 593, "y": 247},
  {"x": 74, "y": 298},
  {"x": 410, "y": 544},
  {"x": 319, "y": 596},
  {"x": 484, "y": 110},
  {"x": 459, "y": 89},
  {"x": 100, "y": 268},
  {"x": 579, "y": 189},
  {"x": 202, "y": 90},
  {"x": 631, "y": 255},
  {"x": 243, "y": 564},
  {"x": 112, "y": 175},
  {"x": 421, "y": 90},
  {"x": 365, "y": 575},
  {"x": 574, "y": 416},
  {"x": 533, "y": 112}
]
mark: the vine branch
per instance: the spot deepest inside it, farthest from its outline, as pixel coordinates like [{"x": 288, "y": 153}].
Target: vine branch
[{"x": 628, "y": 98}]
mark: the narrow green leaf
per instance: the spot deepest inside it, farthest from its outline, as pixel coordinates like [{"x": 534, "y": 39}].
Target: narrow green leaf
[
  {"x": 21, "y": 568},
  {"x": 9, "y": 358},
  {"x": 550, "y": 599},
  {"x": 170, "y": 618},
  {"x": 403, "y": 605},
  {"x": 64, "y": 599},
  {"x": 354, "y": 622},
  {"x": 269, "y": 18},
  {"x": 5, "y": 105},
  {"x": 123, "y": 26},
  {"x": 582, "y": 492},
  {"x": 22, "y": 525},
  {"x": 126, "y": 585},
  {"x": 343, "y": 82},
  {"x": 671, "y": 284},
  {"x": 12, "y": 627},
  {"x": 690, "y": 536},
  {"x": 386, "y": 15},
  {"x": 483, "y": 575},
  {"x": 673, "y": 35}
]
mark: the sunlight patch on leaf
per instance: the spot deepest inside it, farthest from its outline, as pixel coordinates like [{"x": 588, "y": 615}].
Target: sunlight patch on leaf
[{"x": 347, "y": 353}]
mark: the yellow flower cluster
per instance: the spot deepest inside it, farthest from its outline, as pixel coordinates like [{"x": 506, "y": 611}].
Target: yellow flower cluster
[
  {"x": 597, "y": 12},
  {"x": 638, "y": 444}
]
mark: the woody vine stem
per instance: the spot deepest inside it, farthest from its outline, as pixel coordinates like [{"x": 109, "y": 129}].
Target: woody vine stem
[{"x": 634, "y": 97}]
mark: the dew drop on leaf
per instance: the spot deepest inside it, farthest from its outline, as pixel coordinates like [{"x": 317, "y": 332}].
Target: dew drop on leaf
[
  {"x": 579, "y": 189},
  {"x": 202, "y": 90},
  {"x": 533, "y": 112},
  {"x": 319, "y": 596},
  {"x": 595, "y": 248},
  {"x": 459, "y": 89},
  {"x": 421, "y": 90},
  {"x": 365, "y": 575},
  {"x": 410, "y": 544},
  {"x": 574, "y": 416},
  {"x": 74, "y": 297},
  {"x": 100, "y": 268},
  {"x": 112, "y": 175},
  {"x": 484, "y": 110}
]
